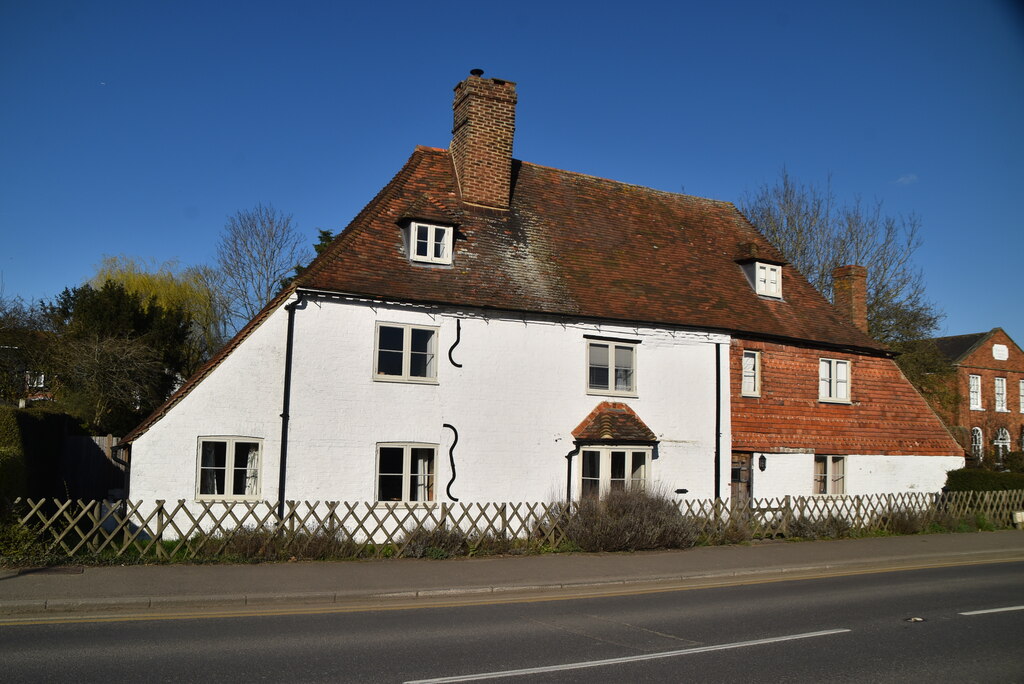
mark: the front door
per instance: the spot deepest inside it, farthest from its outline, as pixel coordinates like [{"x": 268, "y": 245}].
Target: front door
[{"x": 740, "y": 484}]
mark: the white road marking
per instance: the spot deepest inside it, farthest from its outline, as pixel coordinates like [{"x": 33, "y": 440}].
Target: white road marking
[
  {"x": 627, "y": 659},
  {"x": 993, "y": 610}
]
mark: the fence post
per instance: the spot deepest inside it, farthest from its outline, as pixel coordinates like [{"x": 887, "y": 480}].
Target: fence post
[
  {"x": 444, "y": 515},
  {"x": 95, "y": 517},
  {"x": 161, "y": 522},
  {"x": 504, "y": 520}
]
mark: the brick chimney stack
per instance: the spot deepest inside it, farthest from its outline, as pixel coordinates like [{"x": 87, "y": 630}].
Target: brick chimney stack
[
  {"x": 485, "y": 123},
  {"x": 850, "y": 294}
]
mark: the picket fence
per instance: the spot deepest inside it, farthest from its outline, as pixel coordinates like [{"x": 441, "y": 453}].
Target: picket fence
[{"x": 198, "y": 530}]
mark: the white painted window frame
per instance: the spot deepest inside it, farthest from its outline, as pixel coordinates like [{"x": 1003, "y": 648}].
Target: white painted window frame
[
  {"x": 406, "y": 376},
  {"x": 750, "y": 377},
  {"x": 436, "y": 236},
  {"x": 768, "y": 279},
  {"x": 1020, "y": 402},
  {"x": 428, "y": 490},
  {"x": 834, "y": 476},
  {"x": 977, "y": 443},
  {"x": 1000, "y": 390},
  {"x": 229, "y": 468},
  {"x": 831, "y": 387},
  {"x": 974, "y": 392},
  {"x": 612, "y": 345},
  {"x": 1002, "y": 443},
  {"x": 604, "y": 478}
]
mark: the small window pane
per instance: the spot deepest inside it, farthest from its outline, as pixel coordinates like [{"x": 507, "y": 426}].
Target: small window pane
[
  {"x": 422, "y": 241},
  {"x": 623, "y": 369},
  {"x": 439, "y": 243},
  {"x": 391, "y": 341},
  {"x": 617, "y": 481},
  {"x": 591, "y": 475},
  {"x": 820, "y": 475},
  {"x": 422, "y": 479},
  {"x": 392, "y": 460},
  {"x": 213, "y": 468},
  {"x": 638, "y": 473},
  {"x": 599, "y": 371},
  {"x": 421, "y": 360}
]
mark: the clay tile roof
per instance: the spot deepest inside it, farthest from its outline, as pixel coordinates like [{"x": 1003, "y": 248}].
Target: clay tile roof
[
  {"x": 580, "y": 246},
  {"x": 956, "y": 347},
  {"x": 613, "y": 421},
  {"x": 429, "y": 208}
]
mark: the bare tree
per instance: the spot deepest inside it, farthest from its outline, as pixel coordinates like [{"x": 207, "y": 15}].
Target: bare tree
[
  {"x": 258, "y": 248},
  {"x": 817, "y": 234}
]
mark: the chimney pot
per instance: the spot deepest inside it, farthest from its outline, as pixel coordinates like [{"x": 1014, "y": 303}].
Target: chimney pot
[
  {"x": 850, "y": 294},
  {"x": 476, "y": 72}
]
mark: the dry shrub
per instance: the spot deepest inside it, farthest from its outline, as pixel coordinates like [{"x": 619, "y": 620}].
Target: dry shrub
[
  {"x": 829, "y": 527},
  {"x": 265, "y": 544},
  {"x": 905, "y": 521},
  {"x": 630, "y": 521},
  {"x": 438, "y": 542}
]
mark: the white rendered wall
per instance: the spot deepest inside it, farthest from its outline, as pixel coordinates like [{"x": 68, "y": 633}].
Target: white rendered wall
[
  {"x": 520, "y": 392},
  {"x": 793, "y": 474}
]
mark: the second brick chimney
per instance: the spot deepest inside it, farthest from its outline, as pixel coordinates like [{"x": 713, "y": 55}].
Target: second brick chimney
[
  {"x": 850, "y": 294},
  {"x": 485, "y": 124}
]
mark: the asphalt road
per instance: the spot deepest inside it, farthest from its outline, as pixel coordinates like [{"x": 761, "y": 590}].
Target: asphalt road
[{"x": 884, "y": 627}]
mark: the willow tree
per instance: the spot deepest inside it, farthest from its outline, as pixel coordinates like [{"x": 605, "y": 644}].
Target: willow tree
[{"x": 193, "y": 290}]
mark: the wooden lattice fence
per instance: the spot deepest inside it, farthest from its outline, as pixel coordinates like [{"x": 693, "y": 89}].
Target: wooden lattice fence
[{"x": 196, "y": 530}]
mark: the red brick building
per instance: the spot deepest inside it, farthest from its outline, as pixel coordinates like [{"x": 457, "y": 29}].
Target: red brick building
[{"x": 988, "y": 419}]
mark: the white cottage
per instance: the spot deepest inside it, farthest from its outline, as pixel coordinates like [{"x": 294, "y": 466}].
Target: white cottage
[{"x": 492, "y": 330}]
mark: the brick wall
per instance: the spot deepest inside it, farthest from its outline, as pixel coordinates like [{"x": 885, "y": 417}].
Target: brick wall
[
  {"x": 886, "y": 415},
  {"x": 481, "y": 149},
  {"x": 981, "y": 362}
]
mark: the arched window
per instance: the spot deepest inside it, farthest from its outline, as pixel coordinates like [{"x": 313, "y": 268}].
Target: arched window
[
  {"x": 1001, "y": 443},
  {"x": 976, "y": 443}
]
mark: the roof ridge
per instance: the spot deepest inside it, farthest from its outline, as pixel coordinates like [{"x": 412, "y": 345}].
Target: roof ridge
[{"x": 625, "y": 183}]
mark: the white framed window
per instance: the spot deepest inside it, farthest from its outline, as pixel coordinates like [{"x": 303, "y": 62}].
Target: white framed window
[
  {"x": 405, "y": 353},
  {"x": 977, "y": 443},
  {"x": 35, "y": 380},
  {"x": 751, "y": 384},
  {"x": 1001, "y": 443},
  {"x": 405, "y": 472},
  {"x": 768, "y": 279},
  {"x": 611, "y": 367},
  {"x": 834, "y": 380},
  {"x": 1020, "y": 401},
  {"x": 830, "y": 475},
  {"x": 613, "y": 469},
  {"x": 974, "y": 390},
  {"x": 430, "y": 244},
  {"x": 1000, "y": 386},
  {"x": 228, "y": 468}
]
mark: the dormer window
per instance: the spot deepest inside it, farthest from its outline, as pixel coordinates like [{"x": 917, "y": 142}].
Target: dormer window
[
  {"x": 430, "y": 244},
  {"x": 768, "y": 279}
]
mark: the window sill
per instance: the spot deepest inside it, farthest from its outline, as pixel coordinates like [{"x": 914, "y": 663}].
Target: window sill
[
  {"x": 228, "y": 499},
  {"x": 977, "y": 409},
  {"x": 407, "y": 381},
  {"x": 826, "y": 400},
  {"x": 611, "y": 393},
  {"x": 752, "y": 396}
]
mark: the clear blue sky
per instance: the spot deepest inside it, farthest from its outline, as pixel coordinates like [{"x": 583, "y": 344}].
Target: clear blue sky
[{"x": 137, "y": 127}]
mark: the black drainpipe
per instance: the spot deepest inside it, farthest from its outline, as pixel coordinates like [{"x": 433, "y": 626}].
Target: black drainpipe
[
  {"x": 286, "y": 403},
  {"x": 568, "y": 472},
  {"x": 718, "y": 420}
]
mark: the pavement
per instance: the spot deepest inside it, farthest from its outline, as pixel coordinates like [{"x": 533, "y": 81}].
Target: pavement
[{"x": 151, "y": 589}]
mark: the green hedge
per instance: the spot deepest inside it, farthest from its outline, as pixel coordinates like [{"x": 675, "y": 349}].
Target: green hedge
[{"x": 978, "y": 480}]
